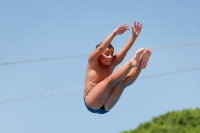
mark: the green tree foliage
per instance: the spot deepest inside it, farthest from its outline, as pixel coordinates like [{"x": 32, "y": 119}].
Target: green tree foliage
[{"x": 185, "y": 121}]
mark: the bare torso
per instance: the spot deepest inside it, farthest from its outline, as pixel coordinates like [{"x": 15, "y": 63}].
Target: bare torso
[{"x": 95, "y": 74}]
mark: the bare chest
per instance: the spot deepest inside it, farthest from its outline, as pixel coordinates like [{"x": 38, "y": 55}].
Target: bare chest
[
  {"x": 98, "y": 74},
  {"x": 102, "y": 73}
]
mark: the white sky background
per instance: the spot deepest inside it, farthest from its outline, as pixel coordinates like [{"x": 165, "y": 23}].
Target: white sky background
[{"x": 41, "y": 28}]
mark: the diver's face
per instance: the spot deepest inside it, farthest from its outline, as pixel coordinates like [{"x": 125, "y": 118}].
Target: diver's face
[{"x": 107, "y": 56}]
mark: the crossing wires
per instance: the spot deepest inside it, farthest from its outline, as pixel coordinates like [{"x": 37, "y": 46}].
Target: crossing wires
[
  {"x": 84, "y": 55},
  {"x": 81, "y": 87}
]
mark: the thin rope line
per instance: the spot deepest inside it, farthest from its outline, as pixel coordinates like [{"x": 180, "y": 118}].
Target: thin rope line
[
  {"x": 83, "y": 55},
  {"x": 42, "y": 59},
  {"x": 80, "y": 88},
  {"x": 169, "y": 73},
  {"x": 174, "y": 46},
  {"x": 40, "y": 95}
]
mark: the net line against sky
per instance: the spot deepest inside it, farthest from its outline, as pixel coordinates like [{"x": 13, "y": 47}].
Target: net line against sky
[
  {"x": 81, "y": 87},
  {"x": 83, "y": 55}
]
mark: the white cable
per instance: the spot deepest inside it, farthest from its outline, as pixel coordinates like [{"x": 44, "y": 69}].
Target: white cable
[
  {"x": 83, "y": 55},
  {"x": 40, "y": 95},
  {"x": 80, "y": 88},
  {"x": 42, "y": 59}
]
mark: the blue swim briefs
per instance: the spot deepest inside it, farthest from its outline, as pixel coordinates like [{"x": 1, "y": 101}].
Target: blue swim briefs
[{"x": 101, "y": 110}]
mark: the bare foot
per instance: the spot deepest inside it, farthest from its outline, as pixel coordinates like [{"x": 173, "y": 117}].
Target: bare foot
[
  {"x": 135, "y": 61},
  {"x": 145, "y": 58}
]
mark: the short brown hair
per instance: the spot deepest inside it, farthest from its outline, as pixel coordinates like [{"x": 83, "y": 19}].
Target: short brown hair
[{"x": 109, "y": 46}]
